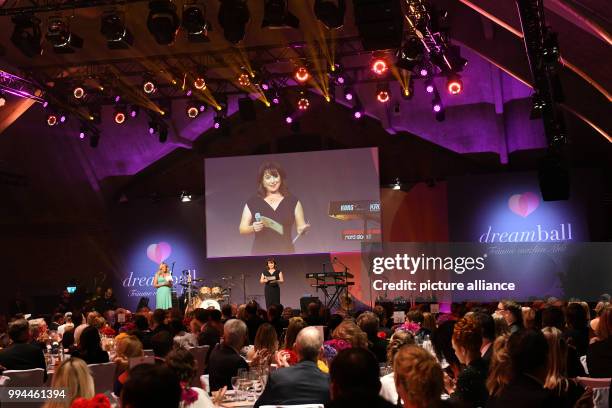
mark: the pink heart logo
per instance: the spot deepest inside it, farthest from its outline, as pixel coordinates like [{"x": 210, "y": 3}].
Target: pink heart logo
[
  {"x": 524, "y": 204},
  {"x": 159, "y": 252}
]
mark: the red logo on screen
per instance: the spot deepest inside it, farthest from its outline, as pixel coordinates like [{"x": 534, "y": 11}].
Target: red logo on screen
[
  {"x": 524, "y": 204},
  {"x": 159, "y": 252}
]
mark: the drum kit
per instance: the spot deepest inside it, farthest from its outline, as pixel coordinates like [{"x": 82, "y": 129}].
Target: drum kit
[{"x": 205, "y": 297}]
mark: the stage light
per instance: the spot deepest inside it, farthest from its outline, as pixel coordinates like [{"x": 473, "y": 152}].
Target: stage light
[
  {"x": 454, "y": 85},
  {"x": 52, "y": 119},
  {"x": 163, "y": 22},
  {"x": 436, "y": 106},
  {"x": 289, "y": 120},
  {"x": 336, "y": 74},
  {"x": 357, "y": 110},
  {"x": 62, "y": 118},
  {"x": 120, "y": 115},
  {"x": 397, "y": 185},
  {"x": 383, "y": 93},
  {"x": 59, "y": 35},
  {"x": 192, "y": 109},
  {"x": 112, "y": 27},
  {"x": 199, "y": 83},
  {"x": 244, "y": 80},
  {"x": 379, "y": 66},
  {"x": 217, "y": 124},
  {"x": 429, "y": 86},
  {"x": 45, "y": 104},
  {"x": 148, "y": 85},
  {"x": 330, "y": 12},
  {"x": 134, "y": 111},
  {"x": 303, "y": 103},
  {"x": 357, "y": 114},
  {"x": 185, "y": 197},
  {"x": 83, "y": 132},
  {"x": 301, "y": 74},
  {"x": 424, "y": 72},
  {"x": 27, "y": 35},
  {"x": 277, "y": 15},
  {"x": 194, "y": 22},
  {"x": 348, "y": 94},
  {"x": 233, "y": 17},
  {"x": 410, "y": 54},
  {"x": 78, "y": 92}
]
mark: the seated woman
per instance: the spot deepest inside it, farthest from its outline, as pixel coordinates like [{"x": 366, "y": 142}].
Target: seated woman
[
  {"x": 89, "y": 347},
  {"x": 295, "y": 325},
  {"x": 265, "y": 347},
  {"x": 398, "y": 339},
  {"x": 183, "y": 364},
  {"x": 599, "y": 352},
  {"x": 470, "y": 389},
  {"x": 348, "y": 335},
  {"x": 73, "y": 374},
  {"x": 127, "y": 346}
]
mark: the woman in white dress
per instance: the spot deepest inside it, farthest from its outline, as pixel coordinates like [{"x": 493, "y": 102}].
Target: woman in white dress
[{"x": 399, "y": 339}]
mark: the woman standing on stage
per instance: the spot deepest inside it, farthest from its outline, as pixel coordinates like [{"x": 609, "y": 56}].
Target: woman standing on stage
[
  {"x": 272, "y": 277},
  {"x": 163, "y": 283}
]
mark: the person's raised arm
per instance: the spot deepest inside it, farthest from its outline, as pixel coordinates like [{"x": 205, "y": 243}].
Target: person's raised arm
[{"x": 300, "y": 223}]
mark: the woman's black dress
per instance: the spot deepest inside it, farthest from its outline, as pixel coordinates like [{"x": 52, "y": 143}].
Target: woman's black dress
[
  {"x": 268, "y": 241},
  {"x": 272, "y": 290}
]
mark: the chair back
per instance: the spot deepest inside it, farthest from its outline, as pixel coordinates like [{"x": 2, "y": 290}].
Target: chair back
[
  {"x": 199, "y": 353},
  {"x": 4, "y": 381},
  {"x": 148, "y": 352},
  {"x": 26, "y": 378},
  {"x": 601, "y": 390},
  {"x": 104, "y": 376},
  {"x": 134, "y": 361}
]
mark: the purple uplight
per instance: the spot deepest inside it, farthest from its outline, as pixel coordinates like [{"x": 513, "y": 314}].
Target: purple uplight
[
  {"x": 265, "y": 87},
  {"x": 217, "y": 125},
  {"x": 133, "y": 113},
  {"x": 424, "y": 72},
  {"x": 340, "y": 80},
  {"x": 349, "y": 96},
  {"x": 151, "y": 130},
  {"x": 357, "y": 115},
  {"x": 202, "y": 108},
  {"x": 429, "y": 88},
  {"x": 275, "y": 100},
  {"x": 82, "y": 135},
  {"x": 289, "y": 119},
  {"x": 117, "y": 99},
  {"x": 188, "y": 93},
  {"x": 62, "y": 118},
  {"x": 45, "y": 104},
  {"x": 437, "y": 107}
]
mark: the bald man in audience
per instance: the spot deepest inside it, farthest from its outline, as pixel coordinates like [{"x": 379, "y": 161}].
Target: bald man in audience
[{"x": 302, "y": 383}]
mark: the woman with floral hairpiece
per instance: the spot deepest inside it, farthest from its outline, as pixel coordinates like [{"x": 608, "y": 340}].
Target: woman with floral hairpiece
[{"x": 184, "y": 366}]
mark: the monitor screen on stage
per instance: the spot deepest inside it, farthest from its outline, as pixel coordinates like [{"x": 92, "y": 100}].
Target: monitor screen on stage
[{"x": 292, "y": 203}]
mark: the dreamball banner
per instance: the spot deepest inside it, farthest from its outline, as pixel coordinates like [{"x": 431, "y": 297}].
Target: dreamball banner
[{"x": 487, "y": 272}]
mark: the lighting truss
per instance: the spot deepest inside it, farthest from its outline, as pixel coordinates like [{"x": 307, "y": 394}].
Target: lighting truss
[{"x": 20, "y": 87}]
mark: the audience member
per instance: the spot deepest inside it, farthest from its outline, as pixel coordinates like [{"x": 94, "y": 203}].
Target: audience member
[
  {"x": 313, "y": 314},
  {"x": 227, "y": 313},
  {"x": 302, "y": 383},
  {"x": 183, "y": 364},
  {"x": 151, "y": 385},
  {"x": 225, "y": 359},
  {"x": 158, "y": 321},
  {"x": 369, "y": 324},
  {"x": 296, "y": 324},
  {"x": 73, "y": 375},
  {"x": 252, "y": 320},
  {"x": 487, "y": 327},
  {"x": 351, "y": 333},
  {"x": 577, "y": 331},
  {"x": 161, "y": 343},
  {"x": 399, "y": 339},
  {"x": 265, "y": 345},
  {"x": 512, "y": 314},
  {"x": 355, "y": 381},
  {"x": 599, "y": 352},
  {"x": 89, "y": 348},
  {"x": 21, "y": 355},
  {"x": 419, "y": 379}
]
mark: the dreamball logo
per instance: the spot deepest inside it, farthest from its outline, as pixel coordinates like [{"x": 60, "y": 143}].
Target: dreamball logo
[{"x": 523, "y": 205}]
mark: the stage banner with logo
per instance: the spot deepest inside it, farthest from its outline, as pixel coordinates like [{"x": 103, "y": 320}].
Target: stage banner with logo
[{"x": 508, "y": 208}]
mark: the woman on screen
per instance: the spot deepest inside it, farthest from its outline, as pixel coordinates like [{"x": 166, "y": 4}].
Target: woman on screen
[
  {"x": 163, "y": 282},
  {"x": 272, "y": 277},
  {"x": 271, "y": 213}
]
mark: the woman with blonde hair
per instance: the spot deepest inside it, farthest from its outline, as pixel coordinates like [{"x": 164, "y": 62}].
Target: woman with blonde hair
[
  {"x": 295, "y": 325},
  {"x": 73, "y": 374},
  {"x": 399, "y": 339},
  {"x": 500, "y": 366},
  {"x": 418, "y": 377},
  {"x": 127, "y": 346}
]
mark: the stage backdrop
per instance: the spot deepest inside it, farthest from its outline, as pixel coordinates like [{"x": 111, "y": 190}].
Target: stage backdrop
[{"x": 316, "y": 179}]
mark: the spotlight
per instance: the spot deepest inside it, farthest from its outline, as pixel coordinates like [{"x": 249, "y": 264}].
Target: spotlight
[
  {"x": 383, "y": 94},
  {"x": 410, "y": 54},
  {"x": 289, "y": 120},
  {"x": 436, "y": 106},
  {"x": 59, "y": 35},
  {"x": 112, "y": 27},
  {"x": 379, "y": 66},
  {"x": 277, "y": 15},
  {"x": 233, "y": 16},
  {"x": 199, "y": 83},
  {"x": 301, "y": 74},
  {"x": 454, "y": 85},
  {"x": 429, "y": 86},
  {"x": 78, "y": 92},
  {"x": 185, "y": 197},
  {"x": 194, "y": 22},
  {"x": 62, "y": 118},
  {"x": 330, "y": 12},
  {"x": 357, "y": 110},
  {"x": 120, "y": 116},
  {"x": 52, "y": 119},
  {"x": 134, "y": 111},
  {"x": 348, "y": 94},
  {"x": 148, "y": 85},
  {"x": 424, "y": 72},
  {"x": 336, "y": 74},
  {"x": 244, "y": 80},
  {"x": 192, "y": 110},
  {"x": 397, "y": 185},
  {"x": 27, "y": 35},
  {"x": 408, "y": 92},
  {"x": 303, "y": 103},
  {"x": 163, "y": 22}
]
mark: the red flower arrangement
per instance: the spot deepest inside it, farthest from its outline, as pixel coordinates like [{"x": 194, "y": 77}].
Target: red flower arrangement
[
  {"x": 411, "y": 327},
  {"x": 108, "y": 331},
  {"x": 98, "y": 401}
]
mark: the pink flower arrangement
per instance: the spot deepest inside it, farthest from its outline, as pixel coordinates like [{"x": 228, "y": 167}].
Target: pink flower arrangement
[
  {"x": 189, "y": 396},
  {"x": 411, "y": 327},
  {"x": 338, "y": 344}
]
